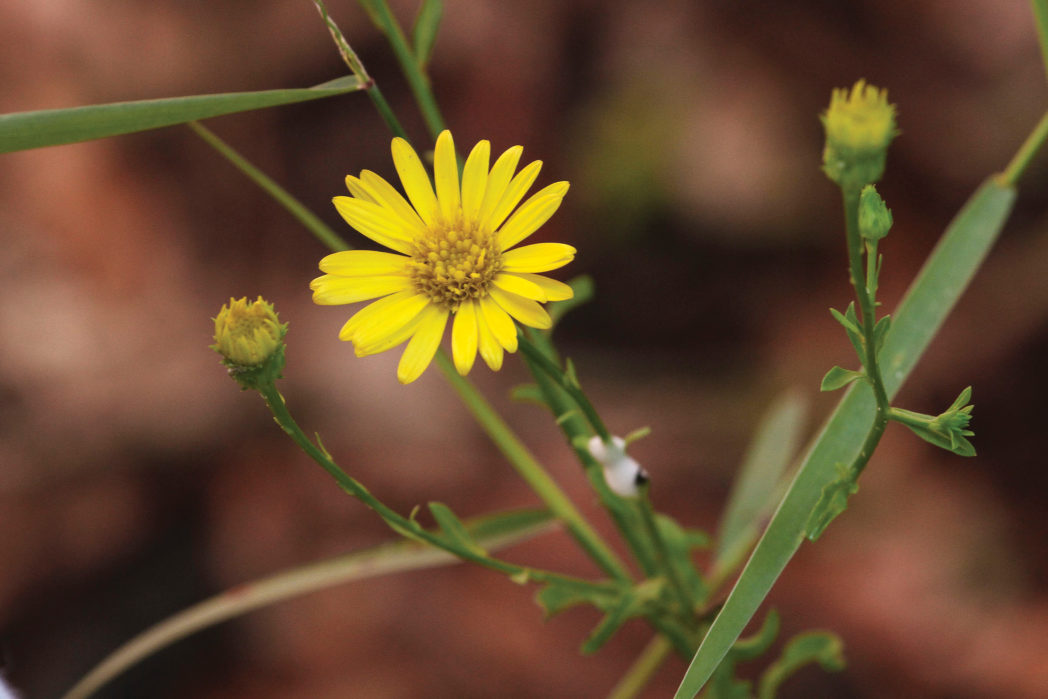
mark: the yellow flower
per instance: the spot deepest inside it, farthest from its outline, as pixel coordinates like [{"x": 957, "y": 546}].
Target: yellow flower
[{"x": 452, "y": 257}]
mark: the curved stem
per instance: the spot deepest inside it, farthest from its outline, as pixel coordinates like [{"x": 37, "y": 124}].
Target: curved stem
[
  {"x": 1027, "y": 151},
  {"x": 307, "y": 218},
  {"x": 662, "y": 557},
  {"x": 417, "y": 79},
  {"x": 532, "y": 472},
  {"x": 867, "y": 307},
  {"x": 643, "y": 668},
  {"x": 402, "y": 525}
]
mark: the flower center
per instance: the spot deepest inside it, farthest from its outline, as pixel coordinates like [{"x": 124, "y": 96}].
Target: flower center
[{"x": 453, "y": 263}]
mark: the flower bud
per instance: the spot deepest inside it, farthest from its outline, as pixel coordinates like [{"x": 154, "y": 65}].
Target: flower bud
[
  {"x": 875, "y": 218},
  {"x": 250, "y": 338},
  {"x": 859, "y": 127}
]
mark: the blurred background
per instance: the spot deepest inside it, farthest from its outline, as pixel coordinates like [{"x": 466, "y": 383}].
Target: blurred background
[{"x": 136, "y": 479}]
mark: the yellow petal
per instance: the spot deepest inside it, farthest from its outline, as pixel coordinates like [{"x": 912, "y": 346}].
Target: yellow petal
[
  {"x": 387, "y": 321},
  {"x": 490, "y": 349},
  {"x": 389, "y": 340},
  {"x": 376, "y": 222},
  {"x": 515, "y": 191},
  {"x": 525, "y": 310},
  {"x": 330, "y": 290},
  {"x": 540, "y": 257},
  {"x": 382, "y": 192},
  {"x": 357, "y": 189},
  {"x": 370, "y": 312},
  {"x": 532, "y": 214},
  {"x": 423, "y": 345},
  {"x": 415, "y": 180},
  {"x": 475, "y": 180},
  {"x": 446, "y": 175},
  {"x": 499, "y": 323},
  {"x": 361, "y": 263},
  {"x": 518, "y": 285},
  {"x": 501, "y": 174},
  {"x": 464, "y": 337},
  {"x": 555, "y": 291}
]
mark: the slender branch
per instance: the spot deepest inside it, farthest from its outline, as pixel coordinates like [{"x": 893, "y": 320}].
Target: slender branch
[
  {"x": 1025, "y": 154},
  {"x": 643, "y": 668},
  {"x": 417, "y": 79},
  {"x": 349, "y": 56},
  {"x": 307, "y": 218},
  {"x": 566, "y": 382},
  {"x": 1040, "y": 15},
  {"x": 402, "y": 525},
  {"x": 662, "y": 557}
]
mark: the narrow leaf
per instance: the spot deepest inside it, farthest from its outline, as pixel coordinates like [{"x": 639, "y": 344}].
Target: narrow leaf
[
  {"x": 52, "y": 127},
  {"x": 820, "y": 647},
  {"x": 424, "y": 33},
  {"x": 452, "y": 527},
  {"x": 838, "y": 377},
  {"x": 931, "y": 297},
  {"x": 757, "y": 485}
]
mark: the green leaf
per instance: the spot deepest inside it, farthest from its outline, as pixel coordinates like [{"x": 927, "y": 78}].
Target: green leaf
[
  {"x": 528, "y": 393},
  {"x": 52, "y": 127},
  {"x": 758, "y": 644},
  {"x": 559, "y": 595},
  {"x": 634, "y": 602},
  {"x": 453, "y": 529},
  {"x": 953, "y": 442},
  {"x": 424, "y": 32},
  {"x": 584, "y": 290},
  {"x": 493, "y": 531},
  {"x": 926, "y": 305},
  {"x": 820, "y": 647},
  {"x": 851, "y": 324},
  {"x": 758, "y": 484},
  {"x": 880, "y": 331},
  {"x": 723, "y": 684},
  {"x": 680, "y": 542},
  {"x": 838, "y": 377},
  {"x": 832, "y": 502}
]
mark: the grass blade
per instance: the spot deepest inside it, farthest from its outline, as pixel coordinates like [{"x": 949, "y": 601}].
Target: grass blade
[
  {"x": 493, "y": 531},
  {"x": 757, "y": 485},
  {"x": 52, "y": 127},
  {"x": 926, "y": 305}
]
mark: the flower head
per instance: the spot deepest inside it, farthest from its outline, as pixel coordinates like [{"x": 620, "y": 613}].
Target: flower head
[
  {"x": 250, "y": 338},
  {"x": 859, "y": 127},
  {"x": 452, "y": 257}
]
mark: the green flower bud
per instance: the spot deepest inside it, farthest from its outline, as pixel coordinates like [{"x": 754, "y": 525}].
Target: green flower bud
[
  {"x": 875, "y": 218},
  {"x": 250, "y": 338},
  {"x": 859, "y": 127}
]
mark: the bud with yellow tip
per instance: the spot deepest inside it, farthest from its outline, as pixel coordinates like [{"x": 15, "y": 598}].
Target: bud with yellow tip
[
  {"x": 250, "y": 338},
  {"x": 859, "y": 127}
]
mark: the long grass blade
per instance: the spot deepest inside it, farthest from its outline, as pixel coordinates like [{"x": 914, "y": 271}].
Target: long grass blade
[
  {"x": 931, "y": 297},
  {"x": 52, "y": 127}
]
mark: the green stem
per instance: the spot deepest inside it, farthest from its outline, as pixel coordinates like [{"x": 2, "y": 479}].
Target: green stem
[
  {"x": 662, "y": 556},
  {"x": 623, "y": 511},
  {"x": 402, "y": 525},
  {"x": 868, "y": 308},
  {"x": 643, "y": 668},
  {"x": 1027, "y": 151},
  {"x": 349, "y": 56},
  {"x": 532, "y": 472},
  {"x": 1040, "y": 15},
  {"x": 566, "y": 382},
  {"x": 307, "y": 218},
  {"x": 417, "y": 79}
]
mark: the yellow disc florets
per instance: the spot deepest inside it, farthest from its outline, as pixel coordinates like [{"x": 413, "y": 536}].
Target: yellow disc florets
[{"x": 455, "y": 263}]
